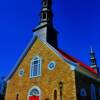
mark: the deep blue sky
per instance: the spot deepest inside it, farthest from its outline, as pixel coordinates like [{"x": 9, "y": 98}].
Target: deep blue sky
[{"x": 77, "y": 22}]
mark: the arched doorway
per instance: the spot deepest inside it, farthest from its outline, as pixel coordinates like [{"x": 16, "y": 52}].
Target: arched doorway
[{"x": 34, "y": 93}]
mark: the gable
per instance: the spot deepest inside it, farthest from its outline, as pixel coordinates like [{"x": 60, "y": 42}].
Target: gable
[
  {"x": 73, "y": 62},
  {"x": 49, "y": 78},
  {"x": 36, "y": 45}
]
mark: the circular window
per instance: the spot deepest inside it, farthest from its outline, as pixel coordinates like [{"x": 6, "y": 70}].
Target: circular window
[
  {"x": 51, "y": 65},
  {"x": 21, "y": 72}
]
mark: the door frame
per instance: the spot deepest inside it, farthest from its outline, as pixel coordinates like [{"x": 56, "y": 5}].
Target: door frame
[{"x": 34, "y": 87}]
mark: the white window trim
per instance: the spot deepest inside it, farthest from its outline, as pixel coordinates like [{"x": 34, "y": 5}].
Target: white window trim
[
  {"x": 31, "y": 76},
  {"x": 53, "y": 63},
  {"x": 34, "y": 87},
  {"x": 23, "y": 72}
]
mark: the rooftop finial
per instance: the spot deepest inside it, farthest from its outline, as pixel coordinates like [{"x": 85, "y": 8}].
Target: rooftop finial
[
  {"x": 91, "y": 50},
  {"x": 93, "y": 60}
]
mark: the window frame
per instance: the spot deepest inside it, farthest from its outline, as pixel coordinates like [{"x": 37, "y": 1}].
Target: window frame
[
  {"x": 32, "y": 69},
  {"x": 54, "y": 65},
  {"x": 34, "y": 87},
  {"x": 21, "y": 72}
]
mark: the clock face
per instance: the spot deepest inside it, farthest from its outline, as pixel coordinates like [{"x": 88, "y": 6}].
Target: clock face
[
  {"x": 21, "y": 72},
  {"x": 51, "y": 65}
]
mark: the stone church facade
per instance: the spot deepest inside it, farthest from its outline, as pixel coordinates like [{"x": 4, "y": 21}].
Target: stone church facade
[{"x": 44, "y": 72}]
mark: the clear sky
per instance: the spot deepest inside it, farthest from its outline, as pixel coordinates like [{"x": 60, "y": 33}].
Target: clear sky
[{"x": 77, "y": 23}]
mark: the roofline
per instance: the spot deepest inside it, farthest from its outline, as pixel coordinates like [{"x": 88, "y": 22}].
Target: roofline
[
  {"x": 59, "y": 55},
  {"x": 42, "y": 26},
  {"x": 20, "y": 58},
  {"x": 27, "y": 49},
  {"x": 89, "y": 76},
  {"x": 73, "y": 65}
]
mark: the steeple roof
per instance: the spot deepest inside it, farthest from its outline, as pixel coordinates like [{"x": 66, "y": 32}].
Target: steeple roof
[
  {"x": 45, "y": 29},
  {"x": 93, "y": 60},
  {"x": 71, "y": 58}
]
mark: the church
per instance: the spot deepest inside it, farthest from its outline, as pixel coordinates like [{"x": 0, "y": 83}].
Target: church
[{"x": 45, "y": 72}]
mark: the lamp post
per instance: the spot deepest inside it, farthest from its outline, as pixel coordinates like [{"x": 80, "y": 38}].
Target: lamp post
[{"x": 60, "y": 86}]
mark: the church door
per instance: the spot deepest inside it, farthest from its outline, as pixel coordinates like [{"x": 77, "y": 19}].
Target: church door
[{"x": 34, "y": 98}]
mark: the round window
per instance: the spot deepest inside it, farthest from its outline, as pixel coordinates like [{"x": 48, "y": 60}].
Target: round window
[
  {"x": 21, "y": 72},
  {"x": 51, "y": 65}
]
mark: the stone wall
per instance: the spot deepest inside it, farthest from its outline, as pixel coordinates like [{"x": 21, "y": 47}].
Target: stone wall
[{"x": 48, "y": 81}]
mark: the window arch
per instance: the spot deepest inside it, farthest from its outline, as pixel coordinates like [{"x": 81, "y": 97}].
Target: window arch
[
  {"x": 34, "y": 93},
  {"x": 35, "y": 67},
  {"x": 93, "y": 92},
  {"x": 17, "y": 96},
  {"x": 45, "y": 3},
  {"x": 83, "y": 92},
  {"x": 55, "y": 94}
]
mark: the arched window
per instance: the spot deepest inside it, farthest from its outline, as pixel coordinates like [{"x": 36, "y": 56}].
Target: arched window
[
  {"x": 34, "y": 93},
  {"x": 44, "y": 15},
  {"x": 83, "y": 92},
  {"x": 45, "y": 3},
  {"x": 55, "y": 94},
  {"x": 93, "y": 92},
  {"x": 17, "y": 96},
  {"x": 35, "y": 68}
]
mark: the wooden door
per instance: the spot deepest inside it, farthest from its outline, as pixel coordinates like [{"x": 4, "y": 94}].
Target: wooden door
[{"x": 34, "y": 98}]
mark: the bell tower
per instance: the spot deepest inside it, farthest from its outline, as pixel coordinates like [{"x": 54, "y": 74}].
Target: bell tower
[
  {"x": 46, "y": 14},
  {"x": 45, "y": 29}
]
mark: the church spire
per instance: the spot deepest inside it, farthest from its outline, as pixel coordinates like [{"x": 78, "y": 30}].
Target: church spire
[
  {"x": 93, "y": 60},
  {"x": 45, "y": 29},
  {"x": 46, "y": 13}
]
